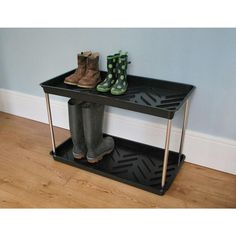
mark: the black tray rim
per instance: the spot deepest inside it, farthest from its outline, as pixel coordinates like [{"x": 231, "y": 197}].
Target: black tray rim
[
  {"x": 158, "y": 111},
  {"x": 44, "y": 84}
]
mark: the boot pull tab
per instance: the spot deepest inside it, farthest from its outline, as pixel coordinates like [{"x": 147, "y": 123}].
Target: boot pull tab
[{"x": 123, "y": 53}]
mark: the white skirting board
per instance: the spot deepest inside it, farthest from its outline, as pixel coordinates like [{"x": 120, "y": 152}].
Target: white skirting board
[{"x": 202, "y": 149}]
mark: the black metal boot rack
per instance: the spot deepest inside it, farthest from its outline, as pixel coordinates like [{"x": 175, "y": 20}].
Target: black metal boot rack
[{"x": 143, "y": 166}]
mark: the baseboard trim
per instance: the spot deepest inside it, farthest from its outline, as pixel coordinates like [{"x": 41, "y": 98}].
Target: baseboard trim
[{"x": 202, "y": 149}]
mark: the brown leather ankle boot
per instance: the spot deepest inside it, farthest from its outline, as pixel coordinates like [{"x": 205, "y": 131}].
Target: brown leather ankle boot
[
  {"x": 92, "y": 75},
  {"x": 81, "y": 69}
]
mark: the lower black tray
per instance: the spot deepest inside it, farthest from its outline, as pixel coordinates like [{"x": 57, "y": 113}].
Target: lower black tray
[{"x": 130, "y": 162}]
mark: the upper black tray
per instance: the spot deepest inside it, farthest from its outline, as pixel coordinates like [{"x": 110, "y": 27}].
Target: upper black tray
[{"x": 151, "y": 96}]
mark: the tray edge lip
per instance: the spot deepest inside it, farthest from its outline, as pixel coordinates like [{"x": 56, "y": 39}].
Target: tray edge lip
[
  {"x": 43, "y": 84},
  {"x": 169, "y": 114}
]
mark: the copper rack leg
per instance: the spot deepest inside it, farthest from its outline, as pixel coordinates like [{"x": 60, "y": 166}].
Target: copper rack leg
[
  {"x": 166, "y": 154},
  {"x": 50, "y": 123},
  {"x": 185, "y": 119}
]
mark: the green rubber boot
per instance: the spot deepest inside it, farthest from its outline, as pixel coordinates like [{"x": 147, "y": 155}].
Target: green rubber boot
[
  {"x": 109, "y": 81},
  {"x": 121, "y": 85}
]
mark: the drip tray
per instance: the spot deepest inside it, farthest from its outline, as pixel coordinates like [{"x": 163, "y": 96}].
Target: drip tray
[{"x": 130, "y": 162}]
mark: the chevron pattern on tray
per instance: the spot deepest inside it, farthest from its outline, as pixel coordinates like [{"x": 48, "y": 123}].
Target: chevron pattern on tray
[
  {"x": 137, "y": 164},
  {"x": 130, "y": 162},
  {"x": 154, "y": 98}
]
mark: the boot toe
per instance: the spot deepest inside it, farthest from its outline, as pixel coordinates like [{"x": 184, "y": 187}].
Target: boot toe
[
  {"x": 78, "y": 156},
  {"x": 115, "y": 91},
  {"x": 70, "y": 80},
  {"x": 101, "y": 88},
  {"x": 78, "y": 151},
  {"x": 85, "y": 83}
]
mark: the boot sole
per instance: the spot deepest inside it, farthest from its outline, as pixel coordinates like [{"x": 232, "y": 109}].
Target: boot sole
[
  {"x": 104, "y": 91},
  {"x": 86, "y": 86},
  {"x": 99, "y": 158},
  {"x": 119, "y": 93},
  {"x": 70, "y": 83},
  {"x": 78, "y": 157},
  {"x": 89, "y": 86}
]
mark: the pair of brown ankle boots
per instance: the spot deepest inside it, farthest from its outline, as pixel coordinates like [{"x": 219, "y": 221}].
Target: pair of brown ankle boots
[{"x": 87, "y": 75}]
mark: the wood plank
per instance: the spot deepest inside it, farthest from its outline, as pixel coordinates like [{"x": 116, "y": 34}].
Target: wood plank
[{"x": 30, "y": 178}]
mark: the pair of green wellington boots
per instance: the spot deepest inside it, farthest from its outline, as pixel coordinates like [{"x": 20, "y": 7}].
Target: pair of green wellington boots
[{"x": 116, "y": 79}]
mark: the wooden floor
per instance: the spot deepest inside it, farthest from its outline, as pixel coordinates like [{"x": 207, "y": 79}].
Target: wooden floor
[{"x": 30, "y": 178}]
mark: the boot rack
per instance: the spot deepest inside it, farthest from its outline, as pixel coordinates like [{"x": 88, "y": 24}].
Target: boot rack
[{"x": 143, "y": 166}]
